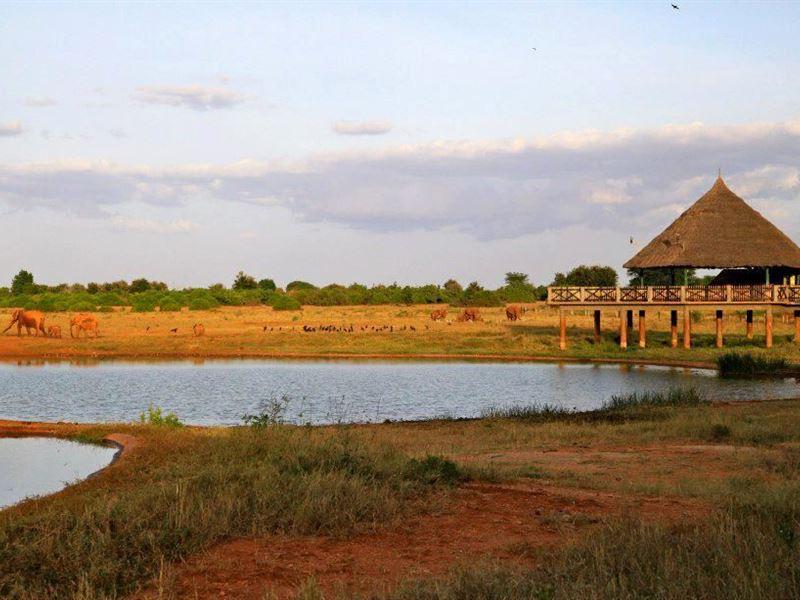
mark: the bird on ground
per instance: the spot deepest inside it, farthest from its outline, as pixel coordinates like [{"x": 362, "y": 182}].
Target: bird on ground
[{"x": 174, "y": 330}]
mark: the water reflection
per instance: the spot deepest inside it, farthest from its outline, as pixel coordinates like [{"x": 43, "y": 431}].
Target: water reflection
[
  {"x": 38, "y": 466},
  {"x": 222, "y": 391}
]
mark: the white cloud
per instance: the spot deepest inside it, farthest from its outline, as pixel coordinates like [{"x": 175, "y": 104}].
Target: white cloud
[
  {"x": 625, "y": 180},
  {"x": 361, "y": 127},
  {"x": 40, "y": 102},
  {"x": 153, "y": 226},
  {"x": 10, "y": 129},
  {"x": 195, "y": 97}
]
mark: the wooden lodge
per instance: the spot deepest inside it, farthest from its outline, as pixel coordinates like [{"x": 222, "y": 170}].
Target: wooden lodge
[{"x": 760, "y": 271}]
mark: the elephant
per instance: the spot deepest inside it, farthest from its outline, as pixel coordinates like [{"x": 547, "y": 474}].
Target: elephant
[
  {"x": 470, "y": 314},
  {"x": 513, "y": 312},
  {"x": 198, "y": 329},
  {"x": 83, "y": 322},
  {"x": 54, "y": 331},
  {"x": 27, "y": 319},
  {"x": 439, "y": 314}
]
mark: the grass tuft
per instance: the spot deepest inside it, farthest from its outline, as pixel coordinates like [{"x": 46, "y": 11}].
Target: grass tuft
[{"x": 745, "y": 364}]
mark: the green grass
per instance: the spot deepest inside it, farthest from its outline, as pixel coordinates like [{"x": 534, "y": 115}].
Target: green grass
[
  {"x": 105, "y": 543},
  {"x": 746, "y": 364}
]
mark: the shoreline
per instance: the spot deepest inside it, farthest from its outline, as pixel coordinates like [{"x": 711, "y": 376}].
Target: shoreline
[{"x": 337, "y": 356}]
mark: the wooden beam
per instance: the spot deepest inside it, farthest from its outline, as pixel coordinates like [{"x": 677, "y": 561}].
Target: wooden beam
[
  {"x": 749, "y": 324},
  {"x": 623, "y": 331},
  {"x": 562, "y": 329},
  {"x": 797, "y": 327},
  {"x": 719, "y": 329},
  {"x": 687, "y": 327},
  {"x": 769, "y": 327},
  {"x": 673, "y": 327},
  {"x": 597, "y": 327},
  {"x": 642, "y": 330}
]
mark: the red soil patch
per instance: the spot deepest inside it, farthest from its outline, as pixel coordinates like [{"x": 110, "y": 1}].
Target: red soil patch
[{"x": 479, "y": 521}]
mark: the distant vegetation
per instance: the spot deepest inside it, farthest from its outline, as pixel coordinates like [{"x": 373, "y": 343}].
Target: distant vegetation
[{"x": 144, "y": 295}]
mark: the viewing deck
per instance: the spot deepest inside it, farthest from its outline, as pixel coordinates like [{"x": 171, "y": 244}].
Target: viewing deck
[{"x": 708, "y": 295}]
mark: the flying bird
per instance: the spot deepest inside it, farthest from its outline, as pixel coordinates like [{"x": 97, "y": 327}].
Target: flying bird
[
  {"x": 631, "y": 240},
  {"x": 675, "y": 6},
  {"x": 534, "y": 49}
]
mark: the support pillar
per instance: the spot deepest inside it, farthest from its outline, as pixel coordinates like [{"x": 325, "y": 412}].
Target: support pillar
[
  {"x": 642, "y": 330},
  {"x": 687, "y": 327},
  {"x": 597, "y": 327},
  {"x": 623, "y": 332},
  {"x": 749, "y": 324},
  {"x": 797, "y": 327},
  {"x": 562, "y": 329},
  {"x": 673, "y": 328},
  {"x": 719, "y": 329},
  {"x": 629, "y": 317},
  {"x": 769, "y": 327}
]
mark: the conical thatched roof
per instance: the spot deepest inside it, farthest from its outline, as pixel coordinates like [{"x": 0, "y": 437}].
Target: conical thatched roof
[{"x": 719, "y": 231}]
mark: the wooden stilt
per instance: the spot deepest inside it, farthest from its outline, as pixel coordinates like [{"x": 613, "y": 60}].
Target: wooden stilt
[
  {"x": 769, "y": 327},
  {"x": 642, "y": 330},
  {"x": 749, "y": 324},
  {"x": 623, "y": 332},
  {"x": 719, "y": 329},
  {"x": 673, "y": 326},
  {"x": 797, "y": 327},
  {"x": 562, "y": 327},
  {"x": 597, "y": 327},
  {"x": 687, "y": 327}
]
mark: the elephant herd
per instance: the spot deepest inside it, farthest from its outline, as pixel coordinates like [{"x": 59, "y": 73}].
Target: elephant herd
[
  {"x": 34, "y": 319},
  {"x": 513, "y": 313}
]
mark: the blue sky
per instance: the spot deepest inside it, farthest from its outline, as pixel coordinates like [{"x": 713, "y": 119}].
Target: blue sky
[{"x": 381, "y": 142}]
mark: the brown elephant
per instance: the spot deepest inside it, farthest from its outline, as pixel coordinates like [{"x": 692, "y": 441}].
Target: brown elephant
[
  {"x": 83, "y": 322},
  {"x": 439, "y": 314},
  {"x": 27, "y": 319},
  {"x": 54, "y": 331},
  {"x": 513, "y": 312},
  {"x": 470, "y": 314},
  {"x": 198, "y": 329}
]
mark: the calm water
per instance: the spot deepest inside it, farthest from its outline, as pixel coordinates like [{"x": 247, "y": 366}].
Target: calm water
[
  {"x": 38, "y": 466},
  {"x": 220, "y": 391}
]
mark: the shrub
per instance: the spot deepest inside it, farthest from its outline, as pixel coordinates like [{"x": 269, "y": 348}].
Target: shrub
[
  {"x": 744, "y": 364},
  {"x": 300, "y": 285},
  {"x": 720, "y": 432},
  {"x": 433, "y": 470},
  {"x": 284, "y": 302},
  {"x": 203, "y": 303},
  {"x": 154, "y": 416}
]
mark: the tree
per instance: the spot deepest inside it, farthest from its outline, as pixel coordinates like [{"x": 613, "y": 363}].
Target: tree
[
  {"x": 139, "y": 285},
  {"x": 514, "y": 278},
  {"x": 22, "y": 283},
  {"x": 588, "y": 275},
  {"x": 640, "y": 277},
  {"x": 299, "y": 285},
  {"x": 244, "y": 281},
  {"x": 452, "y": 287},
  {"x": 268, "y": 285}
]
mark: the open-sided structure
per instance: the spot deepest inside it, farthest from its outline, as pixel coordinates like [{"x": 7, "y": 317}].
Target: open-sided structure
[{"x": 760, "y": 267}]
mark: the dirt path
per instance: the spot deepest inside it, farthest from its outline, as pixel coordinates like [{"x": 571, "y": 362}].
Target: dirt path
[{"x": 506, "y": 522}]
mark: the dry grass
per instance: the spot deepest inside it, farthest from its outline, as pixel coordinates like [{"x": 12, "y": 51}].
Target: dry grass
[{"x": 239, "y": 331}]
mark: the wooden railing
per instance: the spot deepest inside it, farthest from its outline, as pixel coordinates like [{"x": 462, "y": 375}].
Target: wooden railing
[{"x": 700, "y": 294}]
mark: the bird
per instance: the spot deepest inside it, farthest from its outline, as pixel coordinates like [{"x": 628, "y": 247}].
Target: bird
[
  {"x": 675, "y": 6},
  {"x": 631, "y": 239},
  {"x": 533, "y": 49},
  {"x": 174, "y": 330}
]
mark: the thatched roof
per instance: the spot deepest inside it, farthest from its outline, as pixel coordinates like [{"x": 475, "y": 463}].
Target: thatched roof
[{"x": 719, "y": 231}]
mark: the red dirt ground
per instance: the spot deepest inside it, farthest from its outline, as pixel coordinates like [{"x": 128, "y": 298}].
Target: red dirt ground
[{"x": 480, "y": 521}]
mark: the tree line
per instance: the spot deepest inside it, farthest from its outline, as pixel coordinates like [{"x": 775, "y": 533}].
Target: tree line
[{"x": 145, "y": 295}]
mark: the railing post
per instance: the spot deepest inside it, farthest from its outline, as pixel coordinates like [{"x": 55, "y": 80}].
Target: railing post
[
  {"x": 618, "y": 295},
  {"x": 549, "y": 294},
  {"x": 649, "y": 293},
  {"x": 580, "y": 294},
  {"x": 728, "y": 293},
  {"x": 774, "y": 293},
  {"x": 683, "y": 294}
]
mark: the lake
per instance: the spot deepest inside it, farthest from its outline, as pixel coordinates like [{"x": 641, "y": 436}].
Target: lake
[
  {"x": 37, "y": 466},
  {"x": 220, "y": 392}
]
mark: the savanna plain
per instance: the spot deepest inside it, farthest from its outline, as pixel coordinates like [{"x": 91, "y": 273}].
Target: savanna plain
[{"x": 661, "y": 495}]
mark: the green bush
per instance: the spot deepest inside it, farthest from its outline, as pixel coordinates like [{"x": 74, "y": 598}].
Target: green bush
[
  {"x": 203, "y": 303},
  {"x": 170, "y": 304},
  {"x": 154, "y": 416},
  {"x": 284, "y": 302},
  {"x": 744, "y": 364}
]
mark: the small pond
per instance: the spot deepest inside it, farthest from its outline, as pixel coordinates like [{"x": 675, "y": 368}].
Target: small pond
[
  {"x": 219, "y": 392},
  {"x": 37, "y": 466}
]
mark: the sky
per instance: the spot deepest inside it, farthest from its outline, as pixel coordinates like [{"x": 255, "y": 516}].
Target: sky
[{"x": 382, "y": 142}]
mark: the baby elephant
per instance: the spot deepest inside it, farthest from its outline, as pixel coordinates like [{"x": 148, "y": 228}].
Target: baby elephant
[
  {"x": 198, "y": 329},
  {"x": 54, "y": 331}
]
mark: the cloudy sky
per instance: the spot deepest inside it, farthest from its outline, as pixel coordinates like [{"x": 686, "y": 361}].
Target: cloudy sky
[{"x": 405, "y": 142}]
